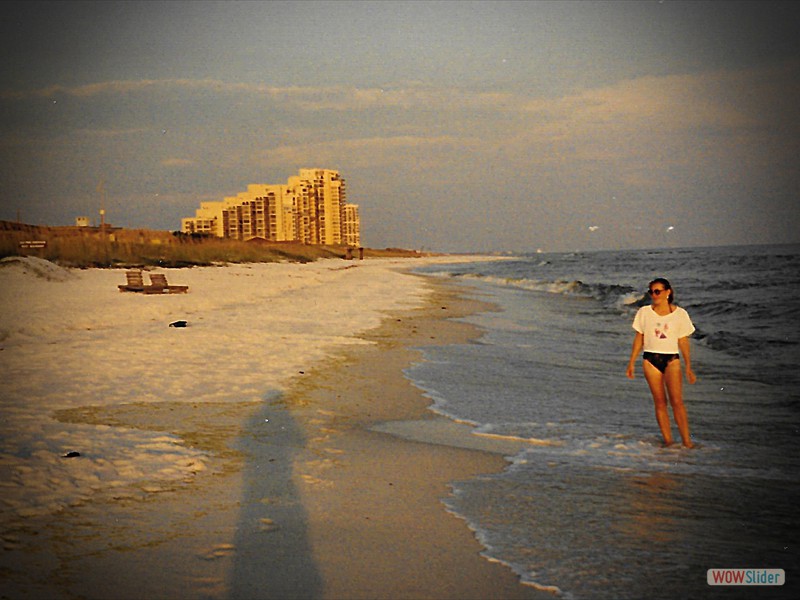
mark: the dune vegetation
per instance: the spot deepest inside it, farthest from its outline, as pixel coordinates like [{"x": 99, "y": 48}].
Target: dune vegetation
[{"x": 88, "y": 247}]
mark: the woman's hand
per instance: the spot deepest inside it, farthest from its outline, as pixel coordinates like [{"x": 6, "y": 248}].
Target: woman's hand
[
  {"x": 683, "y": 345},
  {"x": 638, "y": 343}
]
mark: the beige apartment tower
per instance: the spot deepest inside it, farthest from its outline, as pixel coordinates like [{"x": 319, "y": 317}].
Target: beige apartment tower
[
  {"x": 311, "y": 208},
  {"x": 351, "y": 228}
]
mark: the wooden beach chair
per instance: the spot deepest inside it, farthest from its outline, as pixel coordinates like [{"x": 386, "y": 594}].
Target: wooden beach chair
[
  {"x": 135, "y": 282},
  {"x": 159, "y": 285}
]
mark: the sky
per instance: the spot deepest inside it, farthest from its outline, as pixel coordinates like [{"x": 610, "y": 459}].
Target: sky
[{"x": 458, "y": 126}]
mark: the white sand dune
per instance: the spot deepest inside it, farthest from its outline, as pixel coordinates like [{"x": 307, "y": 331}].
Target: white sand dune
[{"x": 69, "y": 340}]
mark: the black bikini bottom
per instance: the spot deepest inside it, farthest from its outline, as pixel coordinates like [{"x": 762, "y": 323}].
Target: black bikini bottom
[{"x": 659, "y": 361}]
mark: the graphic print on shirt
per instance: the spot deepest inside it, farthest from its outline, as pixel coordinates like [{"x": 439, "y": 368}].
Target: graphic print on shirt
[{"x": 661, "y": 331}]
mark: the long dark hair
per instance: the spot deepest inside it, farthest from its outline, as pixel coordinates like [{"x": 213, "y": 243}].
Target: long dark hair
[{"x": 667, "y": 286}]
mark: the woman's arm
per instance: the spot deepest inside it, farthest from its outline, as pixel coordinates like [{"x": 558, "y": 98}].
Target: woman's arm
[
  {"x": 683, "y": 346},
  {"x": 638, "y": 344}
]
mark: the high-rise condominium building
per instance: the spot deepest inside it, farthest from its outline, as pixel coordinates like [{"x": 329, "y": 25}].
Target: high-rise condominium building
[{"x": 310, "y": 208}]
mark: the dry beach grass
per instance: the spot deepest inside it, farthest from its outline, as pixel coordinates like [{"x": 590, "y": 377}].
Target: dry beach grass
[{"x": 84, "y": 247}]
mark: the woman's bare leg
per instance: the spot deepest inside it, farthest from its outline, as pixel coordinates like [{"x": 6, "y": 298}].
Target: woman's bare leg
[
  {"x": 674, "y": 380},
  {"x": 655, "y": 380}
]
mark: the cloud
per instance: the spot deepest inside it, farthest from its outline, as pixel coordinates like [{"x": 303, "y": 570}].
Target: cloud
[
  {"x": 111, "y": 132},
  {"x": 695, "y": 135},
  {"x": 361, "y": 152},
  {"x": 177, "y": 162},
  {"x": 647, "y": 115},
  {"x": 722, "y": 101},
  {"x": 662, "y": 132},
  {"x": 308, "y": 98}
]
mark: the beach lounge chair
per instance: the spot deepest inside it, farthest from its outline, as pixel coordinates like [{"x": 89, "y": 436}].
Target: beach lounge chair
[
  {"x": 159, "y": 285},
  {"x": 135, "y": 282}
]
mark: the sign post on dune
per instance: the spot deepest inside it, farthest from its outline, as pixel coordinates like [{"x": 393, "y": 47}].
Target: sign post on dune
[
  {"x": 33, "y": 244},
  {"x": 33, "y": 247}
]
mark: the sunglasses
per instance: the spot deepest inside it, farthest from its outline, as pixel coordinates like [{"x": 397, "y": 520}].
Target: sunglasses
[{"x": 656, "y": 292}]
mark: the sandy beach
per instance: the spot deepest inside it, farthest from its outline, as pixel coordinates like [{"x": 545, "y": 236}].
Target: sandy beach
[{"x": 246, "y": 455}]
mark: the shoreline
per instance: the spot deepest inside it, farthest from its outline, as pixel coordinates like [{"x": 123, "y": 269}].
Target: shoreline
[
  {"x": 376, "y": 520},
  {"x": 303, "y": 496}
]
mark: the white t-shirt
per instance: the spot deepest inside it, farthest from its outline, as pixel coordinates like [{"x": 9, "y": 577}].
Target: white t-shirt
[{"x": 661, "y": 333}]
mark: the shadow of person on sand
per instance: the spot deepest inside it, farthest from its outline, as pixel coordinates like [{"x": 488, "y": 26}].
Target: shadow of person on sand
[{"x": 273, "y": 558}]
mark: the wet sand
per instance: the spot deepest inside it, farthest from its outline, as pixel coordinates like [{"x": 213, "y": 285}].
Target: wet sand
[{"x": 375, "y": 522}]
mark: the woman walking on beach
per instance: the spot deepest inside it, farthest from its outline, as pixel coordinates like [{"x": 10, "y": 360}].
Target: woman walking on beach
[{"x": 662, "y": 330}]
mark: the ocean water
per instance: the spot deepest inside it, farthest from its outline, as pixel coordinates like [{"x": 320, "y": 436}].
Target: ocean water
[{"x": 595, "y": 507}]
